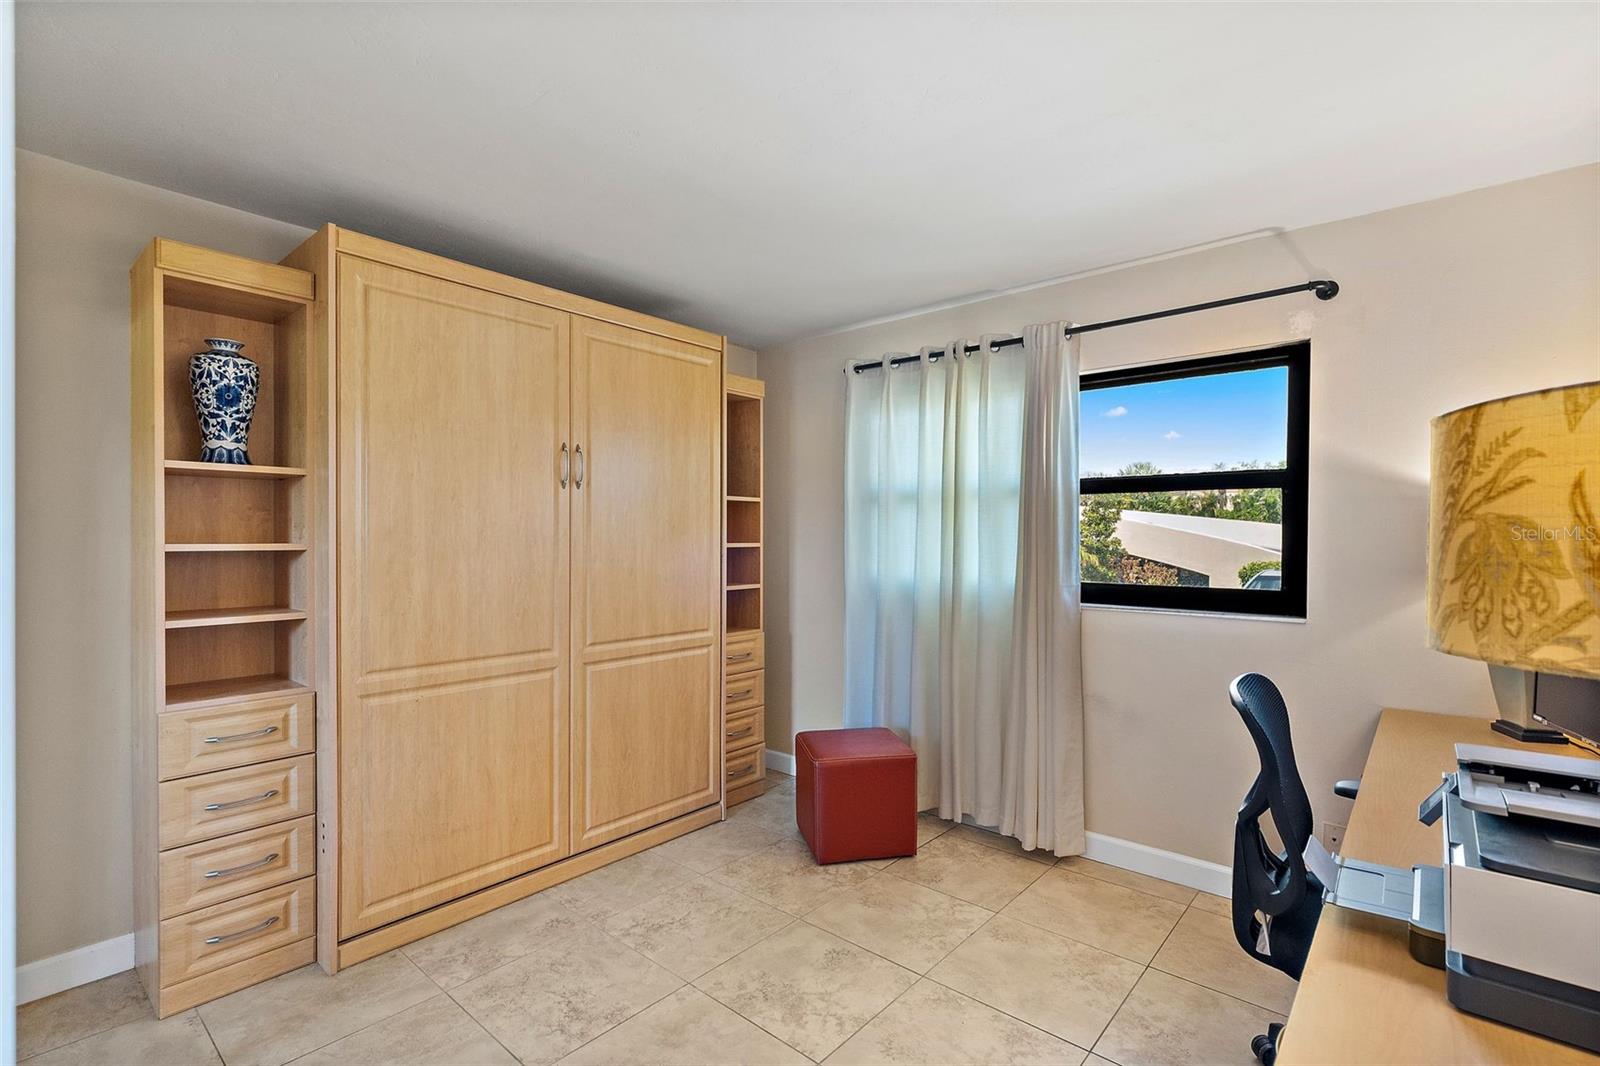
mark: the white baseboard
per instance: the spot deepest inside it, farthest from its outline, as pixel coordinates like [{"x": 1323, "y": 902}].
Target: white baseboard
[
  {"x": 777, "y": 760},
  {"x": 46, "y": 977},
  {"x": 1167, "y": 865}
]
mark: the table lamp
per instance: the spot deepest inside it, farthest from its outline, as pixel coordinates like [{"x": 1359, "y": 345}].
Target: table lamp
[{"x": 1514, "y": 545}]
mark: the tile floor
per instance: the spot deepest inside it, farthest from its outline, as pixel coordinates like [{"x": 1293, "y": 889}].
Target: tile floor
[{"x": 730, "y": 946}]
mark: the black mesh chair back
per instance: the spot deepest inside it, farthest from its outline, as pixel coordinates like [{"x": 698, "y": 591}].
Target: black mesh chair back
[{"x": 1264, "y": 880}]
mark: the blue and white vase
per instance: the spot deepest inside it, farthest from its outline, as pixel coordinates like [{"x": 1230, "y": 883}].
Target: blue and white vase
[{"x": 225, "y": 385}]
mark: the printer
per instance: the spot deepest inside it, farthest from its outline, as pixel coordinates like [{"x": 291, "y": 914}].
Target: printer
[
  {"x": 1520, "y": 890},
  {"x": 1512, "y": 914}
]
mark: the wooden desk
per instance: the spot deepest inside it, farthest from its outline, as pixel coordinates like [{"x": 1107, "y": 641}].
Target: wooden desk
[{"x": 1363, "y": 998}]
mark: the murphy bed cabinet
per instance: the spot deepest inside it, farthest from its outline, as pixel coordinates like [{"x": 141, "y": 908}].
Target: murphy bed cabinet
[{"x": 457, "y": 637}]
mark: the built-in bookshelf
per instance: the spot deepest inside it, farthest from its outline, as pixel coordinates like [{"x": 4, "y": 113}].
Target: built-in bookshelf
[
  {"x": 743, "y": 563},
  {"x": 224, "y": 594}
]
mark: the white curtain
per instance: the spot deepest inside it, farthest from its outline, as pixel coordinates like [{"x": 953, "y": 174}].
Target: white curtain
[{"x": 961, "y": 594}]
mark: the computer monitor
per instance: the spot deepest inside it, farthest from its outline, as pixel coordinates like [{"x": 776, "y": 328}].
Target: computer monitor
[{"x": 1570, "y": 704}]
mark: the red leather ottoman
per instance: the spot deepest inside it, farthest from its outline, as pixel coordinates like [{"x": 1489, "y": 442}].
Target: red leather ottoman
[{"x": 855, "y": 794}]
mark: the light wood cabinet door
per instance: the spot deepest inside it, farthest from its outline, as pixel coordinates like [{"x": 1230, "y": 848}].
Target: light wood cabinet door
[
  {"x": 454, "y": 598},
  {"x": 646, "y": 577}
]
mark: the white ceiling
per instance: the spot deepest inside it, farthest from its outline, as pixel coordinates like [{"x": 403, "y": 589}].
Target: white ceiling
[{"x": 771, "y": 171}]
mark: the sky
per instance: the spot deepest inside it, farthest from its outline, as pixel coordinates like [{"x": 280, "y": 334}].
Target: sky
[{"x": 1186, "y": 424}]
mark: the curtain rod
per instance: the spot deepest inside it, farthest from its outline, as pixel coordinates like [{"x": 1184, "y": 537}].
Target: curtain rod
[{"x": 1325, "y": 289}]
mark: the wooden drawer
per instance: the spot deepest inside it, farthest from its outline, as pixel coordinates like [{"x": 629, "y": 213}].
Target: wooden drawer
[
  {"x": 743, "y": 692},
  {"x": 217, "y": 870},
  {"x": 744, "y": 729},
  {"x": 227, "y": 801},
  {"x": 744, "y": 767},
  {"x": 216, "y": 738},
  {"x": 240, "y": 929},
  {"x": 742, "y": 654}
]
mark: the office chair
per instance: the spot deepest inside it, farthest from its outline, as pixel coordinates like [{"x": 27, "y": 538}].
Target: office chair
[{"x": 1276, "y": 885}]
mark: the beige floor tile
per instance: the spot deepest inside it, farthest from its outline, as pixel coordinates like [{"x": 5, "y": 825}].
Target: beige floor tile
[
  {"x": 932, "y": 1023},
  {"x": 900, "y": 920},
  {"x": 688, "y": 1028},
  {"x": 1059, "y": 985},
  {"x": 695, "y": 926},
  {"x": 305, "y": 1009},
  {"x": 786, "y": 876},
  {"x": 967, "y": 870},
  {"x": 1205, "y": 901},
  {"x": 555, "y": 999},
  {"x": 1009, "y": 845},
  {"x": 79, "y": 1012},
  {"x": 623, "y": 884},
  {"x": 930, "y": 826},
  {"x": 717, "y": 845},
  {"x": 1096, "y": 1060},
  {"x": 489, "y": 941},
  {"x": 435, "y": 1032},
  {"x": 807, "y": 987},
  {"x": 779, "y": 782},
  {"x": 1128, "y": 879},
  {"x": 1120, "y": 920},
  {"x": 1202, "y": 949},
  {"x": 180, "y": 1040},
  {"x": 773, "y": 811},
  {"x": 1170, "y": 1021}
]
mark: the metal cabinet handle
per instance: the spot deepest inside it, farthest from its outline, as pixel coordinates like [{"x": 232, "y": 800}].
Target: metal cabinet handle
[
  {"x": 246, "y": 868},
  {"x": 230, "y": 805},
  {"x": 741, "y": 773},
  {"x": 746, "y": 731},
  {"x": 566, "y": 465},
  {"x": 264, "y": 732},
  {"x": 745, "y": 694},
  {"x": 583, "y": 466},
  {"x": 740, "y": 658},
  {"x": 259, "y": 927}
]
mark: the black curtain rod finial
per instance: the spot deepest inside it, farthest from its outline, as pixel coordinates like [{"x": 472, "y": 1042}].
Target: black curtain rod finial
[{"x": 1325, "y": 290}]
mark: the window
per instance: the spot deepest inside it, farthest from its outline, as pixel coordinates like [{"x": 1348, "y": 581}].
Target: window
[{"x": 1193, "y": 483}]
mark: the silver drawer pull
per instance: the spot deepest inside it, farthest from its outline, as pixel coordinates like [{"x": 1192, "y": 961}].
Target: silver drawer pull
[
  {"x": 268, "y": 794},
  {"x": 264, "y": 732},
  {"x": 746, "y": 731},
  {"x": 743, "y": 695},
  {"x": 742, "y": 657},
  {"x": 741, "y": 773},
  {"x": 259, "y": 927},
  {"x": 246, "y": 868}
]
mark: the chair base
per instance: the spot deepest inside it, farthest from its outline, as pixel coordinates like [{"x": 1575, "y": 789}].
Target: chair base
[{"x": 1265, "y": 1046}]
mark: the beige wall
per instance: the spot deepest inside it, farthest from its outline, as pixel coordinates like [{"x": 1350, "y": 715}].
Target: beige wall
[
  {"x": 1444, "y": 304},
  {"x": 78, "y": 232},
  {"x": 741, "y": 361}
]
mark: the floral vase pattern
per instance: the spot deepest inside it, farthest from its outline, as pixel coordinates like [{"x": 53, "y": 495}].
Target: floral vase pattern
[{"x": 225, "y": 385}]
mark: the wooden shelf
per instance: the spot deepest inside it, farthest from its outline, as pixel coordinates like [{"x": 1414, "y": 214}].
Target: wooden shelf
[
  {"x": 740, "y": 588},
  {"x": 742, "y": 544},
  {"x": 244, "y": 547},
  {"x": 744, "y": 499},
  {"x": 201, "y": 694},
  {"x": 188, "y": 468},
  {"x": 232, "y": 616}
]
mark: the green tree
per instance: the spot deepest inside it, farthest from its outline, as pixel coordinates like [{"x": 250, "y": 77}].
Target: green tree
[{"x": 1250, "y": 570}]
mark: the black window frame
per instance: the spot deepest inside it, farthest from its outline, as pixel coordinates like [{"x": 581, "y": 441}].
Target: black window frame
[{"x": 1291, "y": 480}]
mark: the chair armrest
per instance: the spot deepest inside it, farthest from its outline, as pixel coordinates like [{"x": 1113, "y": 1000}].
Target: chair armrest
[{"x": 1346, "y": 788}]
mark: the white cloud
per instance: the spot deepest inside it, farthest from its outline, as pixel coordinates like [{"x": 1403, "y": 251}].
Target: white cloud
[
  {"x": 1117, "y": 411},
  {"x": 1172, "y": 434}
]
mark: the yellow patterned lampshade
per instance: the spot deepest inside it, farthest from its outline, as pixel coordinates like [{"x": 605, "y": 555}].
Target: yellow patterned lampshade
[{"x": 1514, "y": 532}]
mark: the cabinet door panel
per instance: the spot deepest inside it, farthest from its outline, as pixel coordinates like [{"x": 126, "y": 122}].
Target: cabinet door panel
[
  {"x": 646, "y": 580},
  {"x": 454, "y": 596}
]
